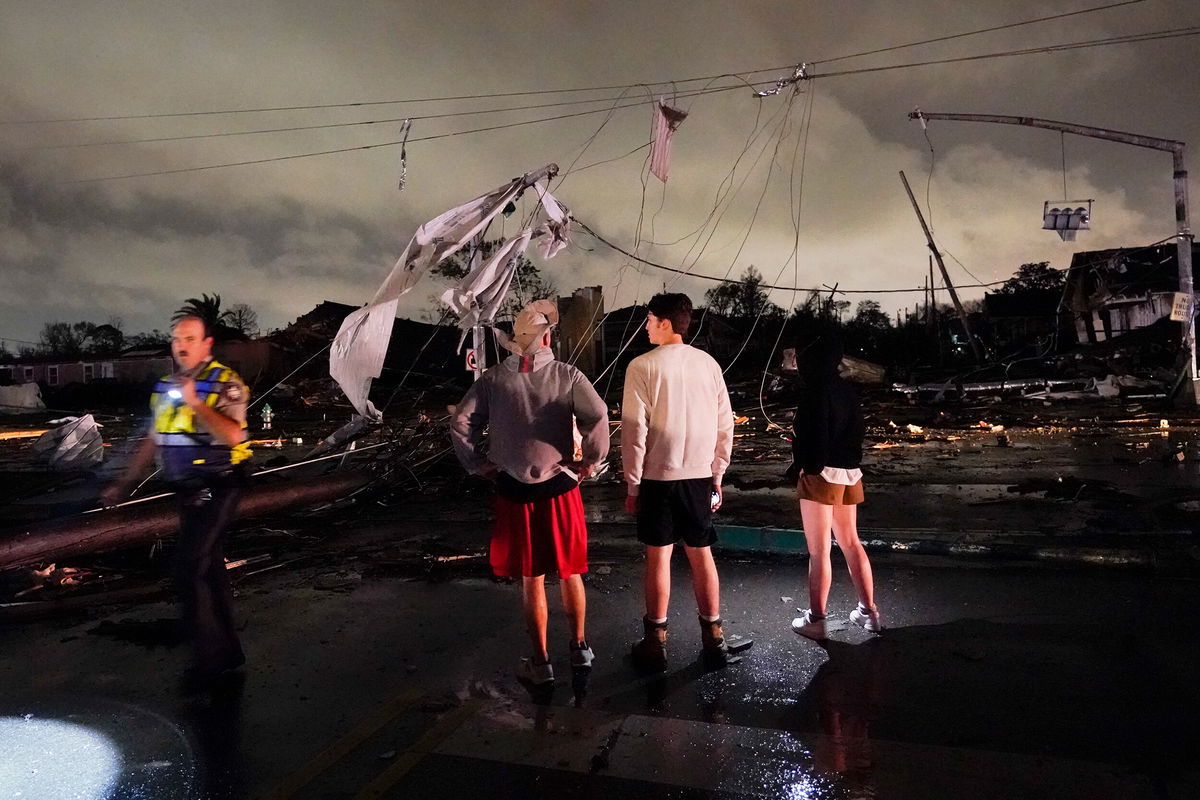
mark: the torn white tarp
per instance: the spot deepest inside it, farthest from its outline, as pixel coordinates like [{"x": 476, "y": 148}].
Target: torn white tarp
[
  {"x": 75, "y": 444},
  {"x": 478, "y": 297},
  {"x": 480, "y": 294},
  {"x": 356, "y": 356},
  {"x": 666, "y": 121},
  {"x": 21, "y": 399},
  {"x": 553, "y": 237},
  {"x": 443, "y": 236}
]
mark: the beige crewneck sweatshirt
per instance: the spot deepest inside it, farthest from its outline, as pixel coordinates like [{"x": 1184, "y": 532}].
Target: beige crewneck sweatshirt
[{"x": 676, "y": 421}]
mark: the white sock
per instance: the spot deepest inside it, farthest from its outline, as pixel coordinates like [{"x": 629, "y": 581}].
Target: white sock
[
  {"x": 657, "y": 621},
  {"x": 710, "y": 619}
]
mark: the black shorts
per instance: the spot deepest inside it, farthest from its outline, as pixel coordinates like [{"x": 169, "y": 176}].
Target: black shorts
[{"x": 672, "y": 510}]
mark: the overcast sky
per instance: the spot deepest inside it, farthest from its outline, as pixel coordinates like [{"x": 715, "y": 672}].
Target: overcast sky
[{"x": 285, "y": 235}]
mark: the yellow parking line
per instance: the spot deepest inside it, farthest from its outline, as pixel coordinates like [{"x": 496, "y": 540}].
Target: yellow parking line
[
  {"x": 419, "y": 749},
  {"x": 344, "y": 746}
]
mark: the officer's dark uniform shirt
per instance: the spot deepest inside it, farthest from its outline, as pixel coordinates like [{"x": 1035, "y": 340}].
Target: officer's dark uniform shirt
[{"x": 186, "y": 451}]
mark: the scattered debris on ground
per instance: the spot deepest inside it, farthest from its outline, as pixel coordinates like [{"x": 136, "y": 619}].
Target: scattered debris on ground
[{"x": 410, "y": 466}]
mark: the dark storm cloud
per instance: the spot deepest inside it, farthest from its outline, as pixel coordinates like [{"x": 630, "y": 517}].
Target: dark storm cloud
[
  {"x": 285, "y": 235},
  {"x": 266, "y": 229},
  {"x": 83, "y": 252}
]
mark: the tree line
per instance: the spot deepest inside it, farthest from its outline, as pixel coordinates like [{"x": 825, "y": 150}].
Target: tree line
[
  {"x": 69, "y": 340},
  {"x": 928, "y": 335}
]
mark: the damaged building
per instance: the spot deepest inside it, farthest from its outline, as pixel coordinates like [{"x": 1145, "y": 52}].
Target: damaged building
[{"x": 1110, "y": 293}]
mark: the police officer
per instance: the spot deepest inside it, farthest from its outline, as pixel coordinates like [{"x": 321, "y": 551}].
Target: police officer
[{"x": 198, "y": 434}]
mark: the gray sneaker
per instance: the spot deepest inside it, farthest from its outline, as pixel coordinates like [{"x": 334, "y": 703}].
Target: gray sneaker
[
  {"x": 536, "y": 674},
  {"x": 867, "y": 617},
  {"x": 581, "y": 655}
]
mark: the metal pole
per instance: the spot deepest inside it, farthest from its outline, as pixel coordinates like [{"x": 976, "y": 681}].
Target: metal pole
[
  {"x": 477, "y": 344},
  {"x": 931, "y": 309},
  {"x": 478, "y": 337},
  {"x": 1135, "y": 139},
  {"x": 945, "y": 275},
  {"x": 1183, "y": 251}
]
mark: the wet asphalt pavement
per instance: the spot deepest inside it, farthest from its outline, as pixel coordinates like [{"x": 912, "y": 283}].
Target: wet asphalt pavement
[{"x": 367, "y": 678}]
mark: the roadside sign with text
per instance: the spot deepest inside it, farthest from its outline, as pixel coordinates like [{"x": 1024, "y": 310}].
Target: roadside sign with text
[{"x": 1181, "y": 307}]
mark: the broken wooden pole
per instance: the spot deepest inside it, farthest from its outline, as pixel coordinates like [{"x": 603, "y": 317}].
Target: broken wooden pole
[
  {"x": 945, "y": 275},
  {"x": 931, "y": 303},
  {"x": 128, "y": 526}
]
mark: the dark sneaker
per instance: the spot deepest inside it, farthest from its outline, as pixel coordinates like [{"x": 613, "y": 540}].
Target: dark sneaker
[{"x": 581, "y": 655}]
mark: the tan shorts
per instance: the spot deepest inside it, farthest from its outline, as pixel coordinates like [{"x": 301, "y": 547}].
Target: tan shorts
[{"x": 819, "y": 490}]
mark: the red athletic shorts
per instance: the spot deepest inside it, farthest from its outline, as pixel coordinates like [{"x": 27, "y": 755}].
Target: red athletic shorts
[{"x": 541, "y": 536}]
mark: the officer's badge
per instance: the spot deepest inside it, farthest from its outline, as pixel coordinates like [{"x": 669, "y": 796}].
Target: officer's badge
[{"x": 233, "y": 393}]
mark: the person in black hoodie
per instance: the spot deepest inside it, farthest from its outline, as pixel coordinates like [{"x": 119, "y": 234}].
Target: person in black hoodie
[{"x": 826, "y": 455}]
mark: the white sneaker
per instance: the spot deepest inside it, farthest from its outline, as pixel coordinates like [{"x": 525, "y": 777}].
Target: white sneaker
[
  {"x": 867, "y": 617},
  {"x": 810, "y": 625},
  {"x": 536, "y": 674},
  {"x": 581, "y": 655}
]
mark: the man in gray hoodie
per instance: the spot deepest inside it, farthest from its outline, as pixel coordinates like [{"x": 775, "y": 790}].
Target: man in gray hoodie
[{"x": 530, "y": 403}]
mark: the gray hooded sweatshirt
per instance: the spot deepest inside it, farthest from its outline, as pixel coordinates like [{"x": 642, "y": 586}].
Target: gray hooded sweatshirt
[{"x": 528, "y": 416}]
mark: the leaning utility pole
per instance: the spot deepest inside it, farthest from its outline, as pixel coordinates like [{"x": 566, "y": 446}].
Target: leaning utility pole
[
  {"x": 945, "y": 275},
  {"x": 931, "y": 308},
  {"x": 1183, "y": 232}
]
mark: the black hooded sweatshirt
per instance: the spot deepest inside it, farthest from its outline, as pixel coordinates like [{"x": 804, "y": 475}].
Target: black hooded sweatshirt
[{"x": 829, "y": 425}]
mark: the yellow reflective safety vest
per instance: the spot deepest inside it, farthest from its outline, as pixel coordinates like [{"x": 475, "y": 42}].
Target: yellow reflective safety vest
[{"x": 186, "y": 451}]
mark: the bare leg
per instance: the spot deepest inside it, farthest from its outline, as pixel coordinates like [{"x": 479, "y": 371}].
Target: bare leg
[
  {"x": 845, "y": 528},
  {"x": 658, "y": 581},
  {"x": 704, "y": 580},
  {"x": 818, "y": 520},
  {"x": 574, "y": 604},
  {"x": 534, "y": 603}
]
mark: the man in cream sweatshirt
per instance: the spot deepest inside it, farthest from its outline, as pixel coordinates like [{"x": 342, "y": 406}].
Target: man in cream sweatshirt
[{"x": 676, "y": 441}]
